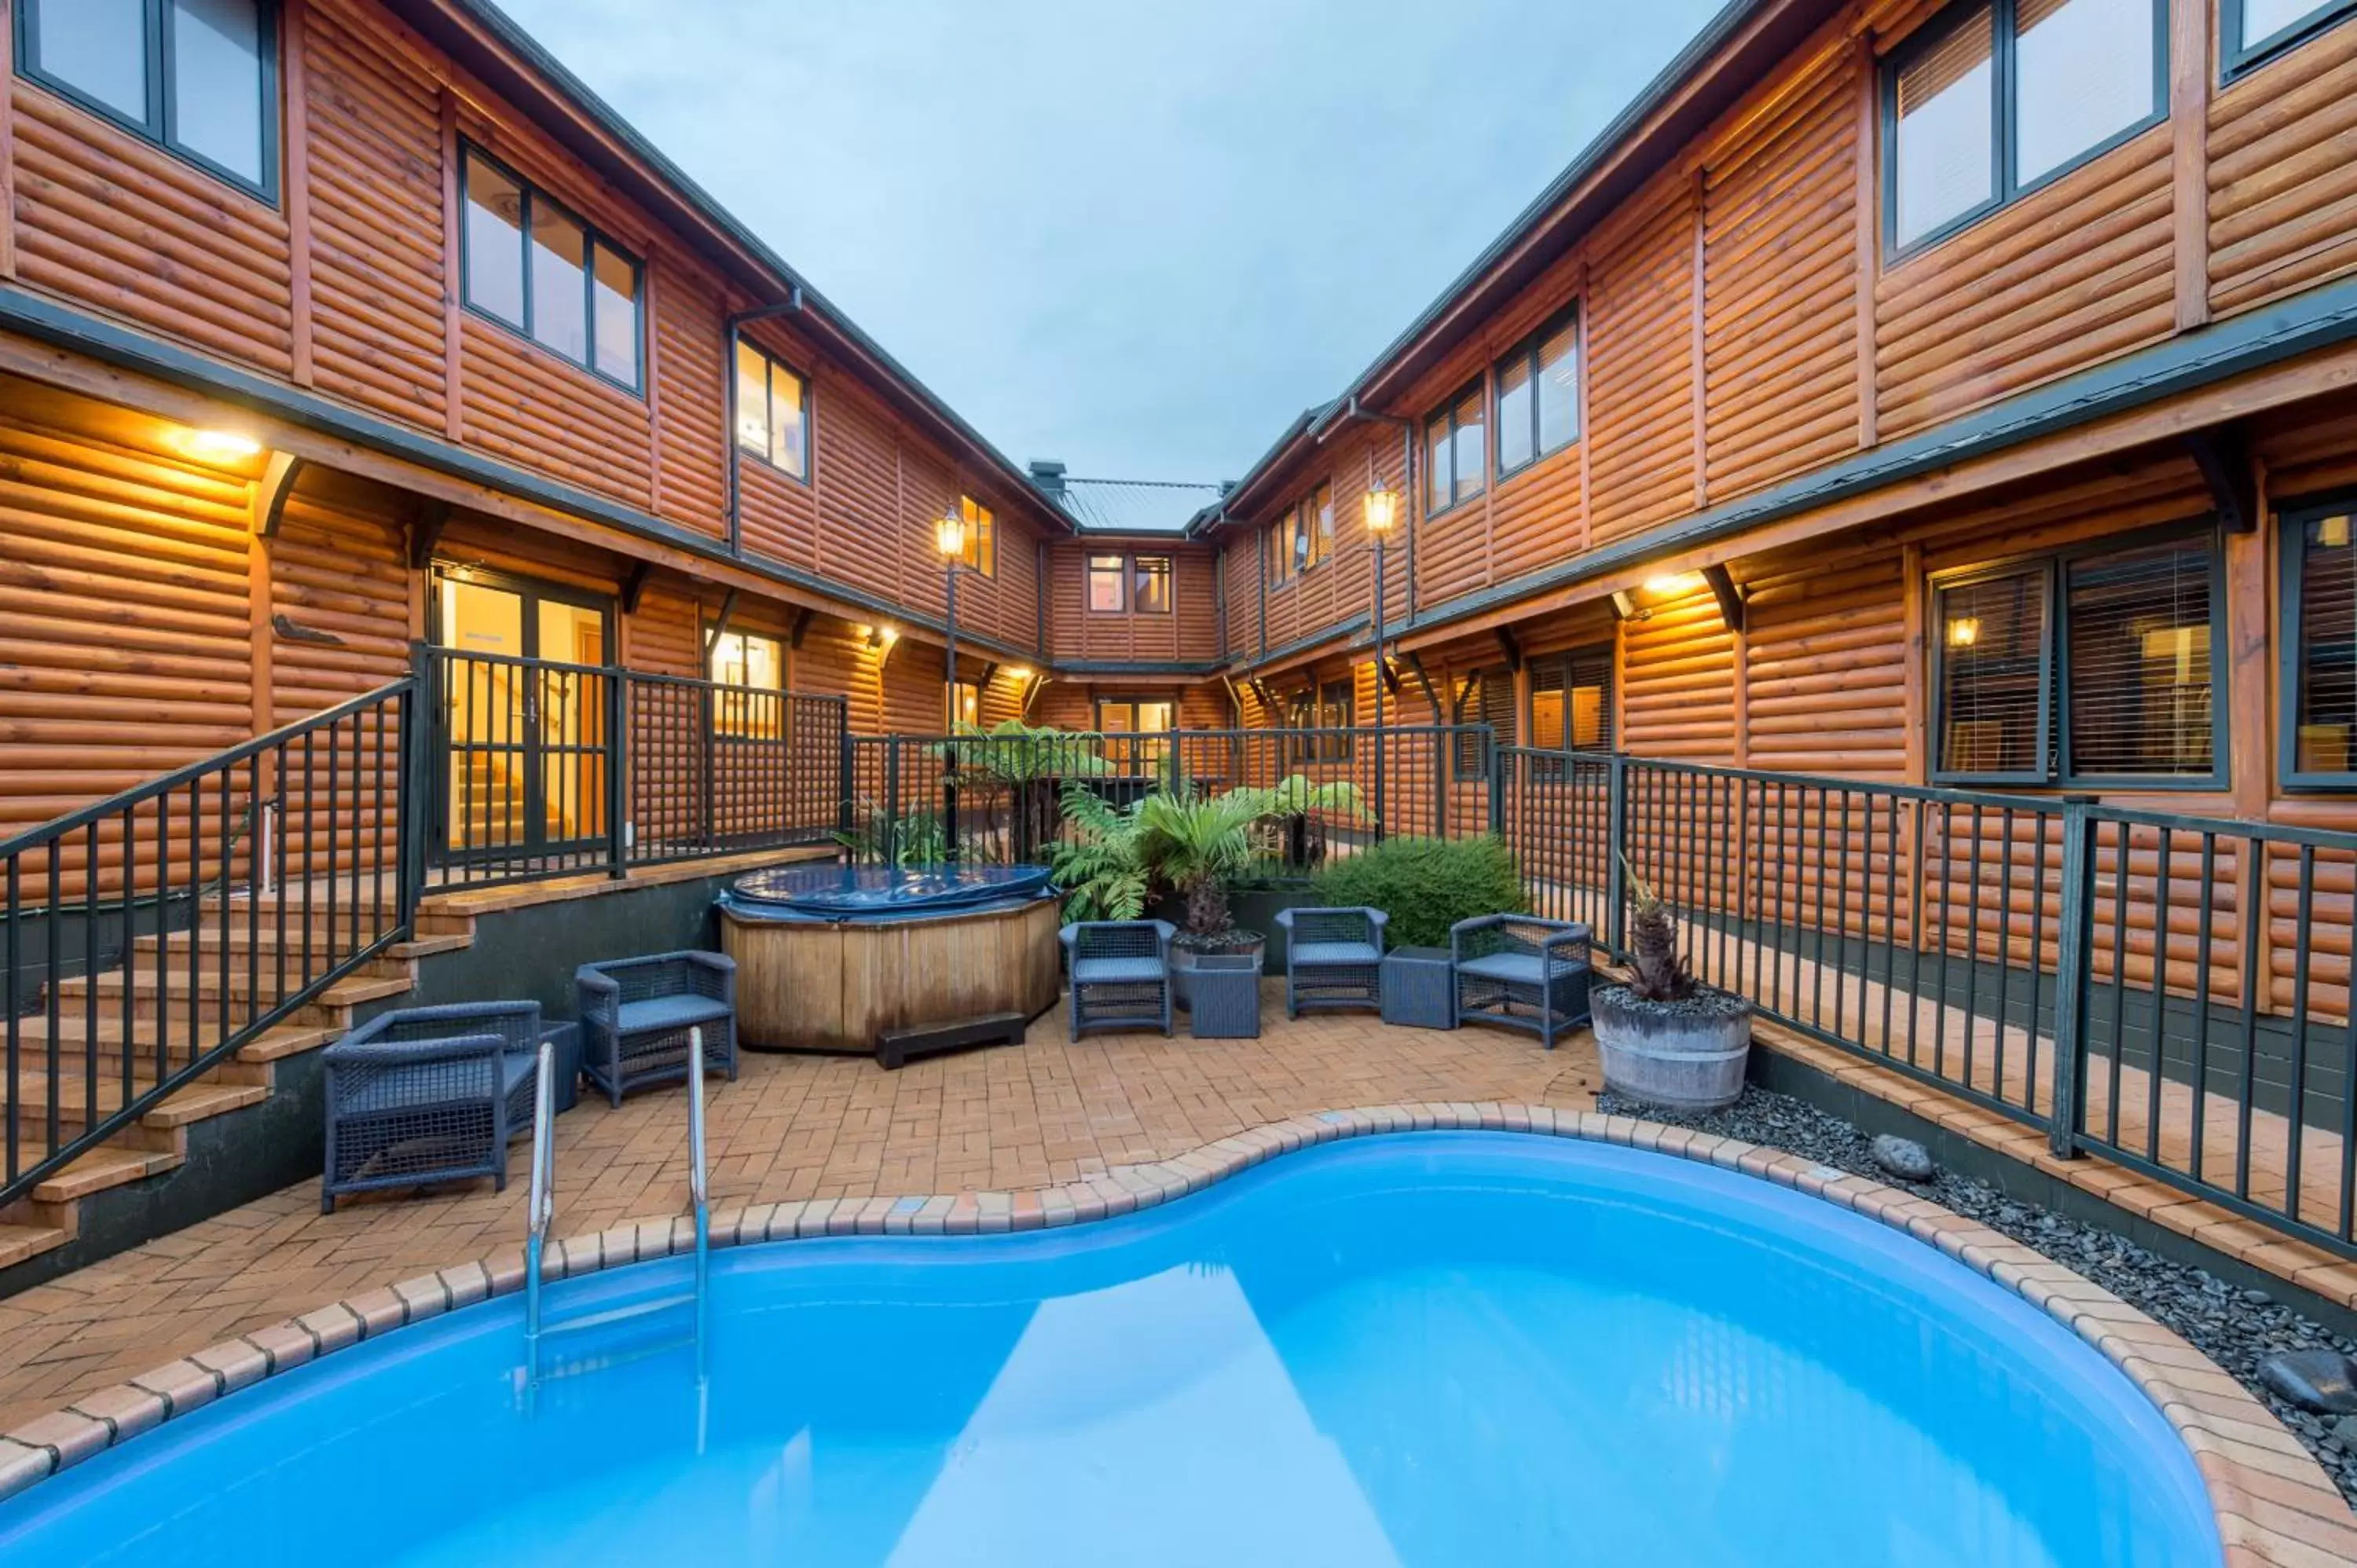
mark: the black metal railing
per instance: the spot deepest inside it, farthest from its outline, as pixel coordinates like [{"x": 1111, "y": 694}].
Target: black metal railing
[
  {"x": 147, "y": 937},
  {"x": 2171, "y": 991}
]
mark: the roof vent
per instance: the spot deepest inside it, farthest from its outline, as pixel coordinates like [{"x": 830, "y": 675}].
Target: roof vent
[{"x": 1048, "y": 475}]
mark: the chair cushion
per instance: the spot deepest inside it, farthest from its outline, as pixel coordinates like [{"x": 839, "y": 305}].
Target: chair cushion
[
  {"x": 1312, "y": 954},
  {"x": 664, "y": 1013},
  {"x": 1514, "y": 968},
  {"x": 1117, "y": 971}
]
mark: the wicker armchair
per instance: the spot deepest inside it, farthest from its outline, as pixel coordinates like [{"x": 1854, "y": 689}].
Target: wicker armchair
[
  {"x": 636, "y": 1014},
  {"x": 1522, "y": 971},
  {"x": 1120, "y": 973},
  {"x": 428, "y": 1094},
  {"x": 1334, "y": 957}
]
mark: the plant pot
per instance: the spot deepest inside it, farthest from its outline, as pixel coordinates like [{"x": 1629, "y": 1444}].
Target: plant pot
[
  {"x": 1185, "y": 950},
  {"x": 1686, "y": 1055}
]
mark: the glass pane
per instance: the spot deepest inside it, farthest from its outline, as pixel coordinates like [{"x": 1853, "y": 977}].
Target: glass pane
[
  {"x": 2139, "y": 690},
  {"x": 559, "y": 306},
  {"x": 1471, "y": 436},
  {"x": 1437, "y": 484},
  {"x": 1559, "y": 388},
  {"x": 615, "y": 290},
  {"x": 494, "y": 237},
  {"x": 570, "y": 634},
  {"x": 1321, "y": 507},
  {"x": 1514, "y": 424},
  {"x": 1152, "y": 584},
  {"x": 753, "y": 418},
  {"x": 1301, "y": 535},
  {"x": 969, "y": 703},
  {"x": 1113, "y": 718},
  {"x": 2083, "y": 71},
  {"x": 788, "y": 422},
  {"x": 1546, "y": 716},
  {"x": 2328, "y": 646},
  {"x": 1154, "y": 717},
  {"x": 98, "y": 48},
  {"x": 2262, "y": 19},
  {"x": 217, "y": 82},
  {"x": 1946, "y": 129},
  {"x": 1104, "y": 582},
  {"x": 981, "y": 535},
  {"x": 1992, "y": 675}
]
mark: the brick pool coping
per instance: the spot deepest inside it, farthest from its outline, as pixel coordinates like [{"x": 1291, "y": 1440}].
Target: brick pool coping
[{"x": 2274, "y": 1504}]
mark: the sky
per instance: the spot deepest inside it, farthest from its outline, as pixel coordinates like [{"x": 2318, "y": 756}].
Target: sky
[{"x": 1137, "y": 238}]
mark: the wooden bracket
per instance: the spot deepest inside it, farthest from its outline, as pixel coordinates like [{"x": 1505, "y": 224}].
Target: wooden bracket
[
  {"x": 1389, "y": 672},
  {"x": 271, "y": 490},
  {"x": 1730, "y": 597},
  {"x": 802, "y": 619},
  {"x": 2223, "y": 456},
  {"x": 1511, "y": 649},
  {"x": 634, "y": 586},
  {"x": 426, "y": 532},
  {"x": 719, "y": 624}
]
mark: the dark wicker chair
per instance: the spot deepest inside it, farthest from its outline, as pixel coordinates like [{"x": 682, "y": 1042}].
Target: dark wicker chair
[
  {"x": 1522, "y": 971},
  {"x": 1120, "y": 972},
  {"x": 1334, "y": 957},
  {"x": 428, "y": 1094},
  {"x": 636, "y": 1014}
]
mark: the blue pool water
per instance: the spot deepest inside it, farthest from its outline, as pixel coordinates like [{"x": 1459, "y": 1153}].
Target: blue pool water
[
  {"x": 1436, "y": 1349},
  {"x": 829, "y": 892}
]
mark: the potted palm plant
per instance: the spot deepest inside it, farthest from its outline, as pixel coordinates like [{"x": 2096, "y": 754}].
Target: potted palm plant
[
  {"x": 1665, "y": 1038},
  {"x": 1196, "y": 847}
]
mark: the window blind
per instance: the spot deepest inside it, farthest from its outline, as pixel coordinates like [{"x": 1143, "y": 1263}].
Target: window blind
[
  {"x": 1993, "y": 675},
  {"x": 2326, "y": 667},
  {"x": 2138, "y": 626}
]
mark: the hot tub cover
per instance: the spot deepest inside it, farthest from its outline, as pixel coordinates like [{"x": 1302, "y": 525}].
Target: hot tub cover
[{"x": 879, "y": 892}]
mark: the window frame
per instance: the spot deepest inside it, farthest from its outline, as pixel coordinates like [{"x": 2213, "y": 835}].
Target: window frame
[
  {"x": 2004, "y": 191},
  {"x": 1138, "y": 605},
  {"x": 591, "y": 237},
  {"x": 981, "y": 556},
  {"x": 770, "y": 365},
  {"x": 2290, "y": 519},
  {"x": 2236, "y": 59},
  {"x": 1479, "y": 387},
  {"x": 156, "y": 125},
  {"x": 1089, "y": 568},
  {"x": 958, "y": 690},
  {"x": 1527, "y": 352},
  {"x": 744, "y": 725},
  {"x": 1563, "y": 660},
  {"x": 2054, "y": 566}
]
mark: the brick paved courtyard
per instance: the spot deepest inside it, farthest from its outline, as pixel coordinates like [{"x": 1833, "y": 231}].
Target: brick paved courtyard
[{"x": 792, "y": 1127}]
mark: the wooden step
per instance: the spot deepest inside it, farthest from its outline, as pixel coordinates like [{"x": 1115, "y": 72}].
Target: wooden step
[
  {"x": 21, "y": 1242},
  {"x": 95, "y": 1171},
  {"x": 194, "y": 1102},
  {"x": 269, "y": 940},
  {"x": 331, "y": 1006},
  {"x": 278, "y": 1041}
]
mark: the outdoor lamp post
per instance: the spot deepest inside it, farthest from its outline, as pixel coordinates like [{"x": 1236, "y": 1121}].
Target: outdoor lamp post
[
  {"x": 949, "y": 537},
  {"x": 1381, "y": 509}
]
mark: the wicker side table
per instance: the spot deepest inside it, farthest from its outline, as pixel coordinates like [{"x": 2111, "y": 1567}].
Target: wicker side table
[
  {"x": 1226, "y": 989},
  {"x": 1419, "y": 988}
]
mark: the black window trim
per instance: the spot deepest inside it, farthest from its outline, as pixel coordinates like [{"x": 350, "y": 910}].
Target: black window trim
[
  {"x": 1170, "y": 582},
  {"x": 161, "y": 111},
  {"x": 1527, "y": 350},
  {"x": 983, "y": 511},
  {"x": 1457, "y": 496},
  {"x": 1088, "y": 567},
  {"x": 2235, "y": 60},
  {"x": 1562, "y": 659},
  {"x": 2004, "y": 192},
  {"x": 2054, "y": 663},
  {"x": 592, "y": 237},
  {"x": 2290, "y": 517},
  {"x": 810, "y": 435}
]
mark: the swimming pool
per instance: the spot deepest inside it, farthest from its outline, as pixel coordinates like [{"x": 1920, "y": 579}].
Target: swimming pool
[{"x": 1434, "y": 1349}]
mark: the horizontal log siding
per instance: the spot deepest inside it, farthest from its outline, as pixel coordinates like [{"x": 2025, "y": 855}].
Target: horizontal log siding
[
  {"x": 111, "y": 222},
  {"x": 531, "y": 408},
  {"x": 2283, "y": 182},
  {"x": 1825, "y": 671},
  {"x": 1677, "y": 682},
  {"x": 373, "y": 119},
  {"x": 691, "y": 482},
  {"x": 1640, "y": 363},
  {"x": 858, "y": 491},
  {"x": 337, "y": 567},
  {"x": 2071, "y": 274},
  {"x": 1779, "y": 318}
]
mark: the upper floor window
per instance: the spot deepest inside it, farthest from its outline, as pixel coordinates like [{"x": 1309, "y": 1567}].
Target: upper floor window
[
  {"x": 2251, "y": 30},
  {"x": 2002, "y": 95},
  {"x": 1304, "y": 534},
  {"x": 2320, "y": 595},
  {"x": 1538, "y": 395},
  {"x": 533, "y": 265},
  {"x": 772, "y": 412},
  {"x": 1453, "y": 441},
  {"x": 754, "y": 668},
  {"x": 199, "y": 77},
  {"x": 1108, "y": 586},
  {"x": 981, "y": 536},
  {"x": 2095, "y": 666},
  {"x": 1151, "y": 577}
]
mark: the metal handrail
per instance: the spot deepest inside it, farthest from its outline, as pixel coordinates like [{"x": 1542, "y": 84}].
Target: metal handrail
[
  {"x": 696, "y": 1186},
  {"x": 543, "y": 1201}
]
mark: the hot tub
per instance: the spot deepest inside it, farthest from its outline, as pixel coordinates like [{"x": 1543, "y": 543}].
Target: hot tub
[{"x": 828, "y": 956}]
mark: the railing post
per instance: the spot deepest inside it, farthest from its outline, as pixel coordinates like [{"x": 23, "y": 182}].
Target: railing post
[
  {"x": 2074, "y": 946},
  {"x": 1497, "y": 770},
  {"x": 950, "y": 801},
  {"x": 1615, "y": 862},
  {"x": 889, "y": 841},
  {"x": 421, "y": 722},
  {"x": 846, "y": 768},
  {"x": 617, "y": 771}
]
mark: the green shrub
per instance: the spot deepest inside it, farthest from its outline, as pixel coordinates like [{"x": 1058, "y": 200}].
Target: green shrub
[{"x": 1424, "y": 884}]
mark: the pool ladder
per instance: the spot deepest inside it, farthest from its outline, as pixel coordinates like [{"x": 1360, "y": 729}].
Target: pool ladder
[{"x": 543, "y": 1209}]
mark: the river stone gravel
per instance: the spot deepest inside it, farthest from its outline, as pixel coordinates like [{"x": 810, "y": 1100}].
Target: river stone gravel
[{"x": 2237, "y": 1327}]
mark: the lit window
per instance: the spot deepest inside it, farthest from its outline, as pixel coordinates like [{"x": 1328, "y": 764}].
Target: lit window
[
  {"x": 2320, "y": 573},
  {"x": 1152, "y": 576},
  {"x": 570, "y": 289},
  {"x": 2252, "y": 29},
  {"x": 1453, "y": 440},
  {"x": 753, "y": 670},
  {"x": 1571, "y": 700},
  {"x": 1107, "y": 586},
  {"x": 1538, "y": 395},
  {"x": 969, "y": 703},
  {"x": 199, "y": 77},
  {"x": 772, "y": 412},
  {"x": 1316, "y": 529},
  {"x": 981, "y": 536}
]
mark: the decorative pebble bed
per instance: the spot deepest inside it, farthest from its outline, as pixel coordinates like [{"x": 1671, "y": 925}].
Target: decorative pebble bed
[{"x": 2236, "y": 1327}]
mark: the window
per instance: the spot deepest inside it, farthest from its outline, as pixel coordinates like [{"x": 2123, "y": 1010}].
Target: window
[
  {"x": 1134, "y": 716},
  {"x": 199, "y": 77},
  {"x": 1571, "y": 700},
  {"x": 967, "y": 696},
  {"x": 2098, "y": 666},
  {"x": 1152, "y": 576},
  {"x": 1107, "y": 586},
  {"x": 1304, "y": 536},
  {"x": 772, "y": 412},
  {"x": 758, "y": 665},
  {"x": 1485, "y": 697},
  {"x": 2252, "y": 30},
  {"x": 1452, "y": 445},
  {"x": 568, "y": 289},
  {"x": 981, "y": 536},
  {"x": 2320, "y": 595},
  {"x": 1337, "y": 716},
  {"x": 2006, "y": 95},
  {"x": 1538, "y": 395}
]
